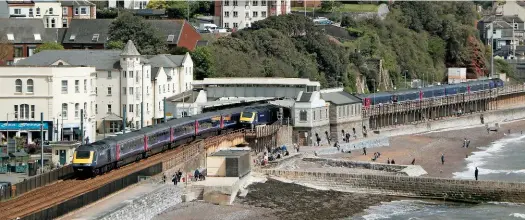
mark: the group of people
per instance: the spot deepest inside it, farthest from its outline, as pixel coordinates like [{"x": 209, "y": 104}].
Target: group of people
[
  {"x": 175, "y": 178},
  {"x": 376, "y": 156},
  {"x": 276, "y": 153}
]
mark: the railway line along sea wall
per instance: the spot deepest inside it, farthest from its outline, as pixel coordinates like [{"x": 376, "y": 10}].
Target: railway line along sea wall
[
  {"x": 489, "y": 118},
  {"x": 425, "y": 187}
]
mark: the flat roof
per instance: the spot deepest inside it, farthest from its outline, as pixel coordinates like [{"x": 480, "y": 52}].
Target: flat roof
[
  {"x": 230, "y": 153},
  {"x": 256, "y": 81},
  {"x": 235, "y": 101}
]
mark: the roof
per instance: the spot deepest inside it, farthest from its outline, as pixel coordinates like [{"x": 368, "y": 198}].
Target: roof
[
  {"x": 24, "y": 30},
  {"x": 163, "y": 61},
  {"x": 305, "y": 97},
  {"x": 230, "y": 153},
  {"x": 100, "y": 59},
  {"x": 130, "y": 49},
  {"x": 508, "y": 19},
  {"x": 84, "y": 29},
  {"x": 77, "y": 3},
  {"x": 4, "y": 9},
  {"x": 257, "y": 81},
  {"x": 112, "y": 117},
  {"x": 19, "y": 154},
  {"x": 149, "y": 12},
  {"x": 340, "y": 98}
]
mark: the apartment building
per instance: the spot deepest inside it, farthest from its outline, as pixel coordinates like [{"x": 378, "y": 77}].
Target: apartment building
[
  {"x": 237, "y": 14},
  {"x": 59, "y": 92}
]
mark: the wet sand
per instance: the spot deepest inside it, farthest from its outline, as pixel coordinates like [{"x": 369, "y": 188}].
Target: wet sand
[{"x": 427, "y": 148}]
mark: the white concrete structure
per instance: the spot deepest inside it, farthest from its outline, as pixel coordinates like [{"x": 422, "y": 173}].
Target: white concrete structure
[
  {"x": 240, "y": 14},
  {"x": 126, "y": 78},
  {"x": 49, "y": 11},
  {"x": 58, "y": 92},
  {"x": 129, "y": 4}
]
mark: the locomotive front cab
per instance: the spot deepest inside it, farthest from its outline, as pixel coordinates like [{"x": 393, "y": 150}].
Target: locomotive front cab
[
  {"x": 83, "y": 160},
  {"x": 247, "y": 117}
]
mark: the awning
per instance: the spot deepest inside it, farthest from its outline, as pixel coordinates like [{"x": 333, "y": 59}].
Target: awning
[
  {"x": 112, "y": 117},
  {"x": 17, "y": 125},
  {"x": 71, "y": 125}
]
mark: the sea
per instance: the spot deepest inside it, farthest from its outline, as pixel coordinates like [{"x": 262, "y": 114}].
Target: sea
[{"x": 502, "y": 160}]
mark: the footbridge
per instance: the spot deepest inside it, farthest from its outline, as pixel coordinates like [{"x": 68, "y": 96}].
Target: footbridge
[{"x": 419, "y": 187}]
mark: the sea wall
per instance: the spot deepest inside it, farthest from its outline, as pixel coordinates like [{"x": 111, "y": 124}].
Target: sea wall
[
  {"x": 371, "y": 142},
  {"x": 427, "y": 187}
]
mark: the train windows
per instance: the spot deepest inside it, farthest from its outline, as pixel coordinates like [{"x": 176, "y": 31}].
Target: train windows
[{"x": 83, "y": 154}]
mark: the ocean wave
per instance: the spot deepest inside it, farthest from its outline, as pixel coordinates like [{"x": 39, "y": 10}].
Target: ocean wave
[
  {"x": 477, "y": 159},
  {"x": 388, "y": 210},
  {"x": 518, "y": 215}
]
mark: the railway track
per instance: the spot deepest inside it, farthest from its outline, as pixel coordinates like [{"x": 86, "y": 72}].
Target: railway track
[{"x": 56, "y": 193}]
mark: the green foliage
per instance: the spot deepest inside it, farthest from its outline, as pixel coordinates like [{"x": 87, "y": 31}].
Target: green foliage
[
  {"x": 501, "y": 66},
  {"x": 146, "y": 38},
  {"x": 179, "y": 51},
  {"x": 179, "y": 9},
  {"x": 157, "y": 4},
  {"x": 203, "y": 62},
  {"x": 49, "y": 46},
  {"x": 107, "y": 13},
  {"x": 115, "y": 45},
  {"x": 329, "y": 5}
]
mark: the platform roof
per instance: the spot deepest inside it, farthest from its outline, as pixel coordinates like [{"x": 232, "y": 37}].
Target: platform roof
[
  {"x": 235, "y": 101},
  {"x": 255, "y": 81}
]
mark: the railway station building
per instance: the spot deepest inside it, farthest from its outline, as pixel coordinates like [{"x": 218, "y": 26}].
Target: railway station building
[
  {"x": 25, "y": 92},
  {"x": 125, "y": 80}
]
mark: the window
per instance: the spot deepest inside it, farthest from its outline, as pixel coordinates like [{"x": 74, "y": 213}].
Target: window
[
  {"x": 255, "y": 14},
  {"x": 147, "y": 107},
  {"x": 64, "y": 11},
  {"x": 10, "y": 37},
  {"x": 263, "y": 3},
  {"x": 30, "y": 86},
  {"x": 247, "y": 15},
  {"x": 18, "y": 85},
  {"x": 33, "y": 112},
  {"x": 109, "y": 109},
  {"x": 131, "y": 74},
  {"x": 30, "y": 50},
  {"x": 227, "y": 3},
  {"x": 515, "y": 26},
  {"x": 37, "y": 11},
  {"x": 18, "y": 11},
  {"x": 147, "y": 90},
  {"x": 314, "y": 115},
  {"x": 64, "y": 22},
  {"x": 64, "y": 110},
  {"x": 255, "y": 3},
  {"x": 131, "y": 90},
  {"x": 30, "y": 12},
  {"x": 96, "y": 90},
  {"x": 124, "y": 74},
  {"x": 37, "y": 37},
  {"x": 50, "y": 11},
  {"x": 130, "y": 107},
  {"x": 72, "y": 37},
  {"x": 16, "y": 111},
  {"x": 124, "y": 90},
  {"x": 53, "y": 23},
  {"x": 77, "y": 84},
  {"x": 169, "y": 87},
  {"x": 109, "y": 91},
  {"x": 76, "y": 11},
  {"x": 83, "y": 11},
  {"x": 247, "y": 3},
  {"x": 235, "y": 14},
  {"x": 24, "y": 111},
  {"x": 226, "y": 25},
  {"x": 95, "y": 37},
  {"x": 160, "y": 89},
  {"x": 227, "y": 14},
  {"x": 263, "y": 14},
  {"x": 19, "y": 52},
  {"x": 235, "y": 3},
  {"x": 85, "y": 109},
  {"x": 109, "y": 74},
  {"x": 171, "y": 37},
  {"x": 77, "y": 107},
  {"x": 235, "y": 25},
  {"x": 64, "y": 86},
  {"x": 303, "y": 115},
  {"x": 138, "y": 108},
  {"x": 85, "y": 86},
  {"x": 96, "y": 109}
]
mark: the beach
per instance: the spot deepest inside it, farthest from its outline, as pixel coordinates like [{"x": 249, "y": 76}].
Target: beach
[{"x": 427, "y": 148}]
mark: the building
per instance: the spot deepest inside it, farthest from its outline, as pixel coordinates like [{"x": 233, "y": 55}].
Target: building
[
  {"x": 62, "y": 152},
  {"x": 25, "y": 35},
  {"x": 4, "y": 9},
  {"x": 344, "y": 114},
  {"x": 131, "y": 4},
  {"x": 126, "y": 79},
  {"x": 241, "y": 14},
  {"x": 50, "y": 11},
  {"x": 59, "y": 92},
  {"x": 77, "y": 9},
  {"x": 310, "y": 118},
  {"x": 307, "y": 3},
  {"x": 502, "y": 30},
  {"x": 93, "y": 33}
]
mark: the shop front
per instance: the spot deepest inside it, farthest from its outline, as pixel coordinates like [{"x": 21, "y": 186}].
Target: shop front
[{"x": 28, "y": 130}]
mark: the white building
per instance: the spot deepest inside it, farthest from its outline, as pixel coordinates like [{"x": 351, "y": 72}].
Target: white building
[
  {"x": 59, "y": 92},
  {"x": 241, "y": 14},
  {"x": 126, "y": 78},
  {"x": 128, "y": 4},
  {"x": 50, "y": 11}
]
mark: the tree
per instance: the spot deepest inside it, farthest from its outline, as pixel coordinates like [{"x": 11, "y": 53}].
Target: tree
[
  {"x": 49, "y": 46},
  {"x": 179, "y": 10},
  {"x": 179, "y": 51},
  {"x": 157, "y": 4},
  {"x": 115, "y": 45},
  {"x": 330, "y": 5},
  {"x": 146, "y": 38},
  {"x": 203, "y": 62},
  {"x": 6, "y": 49},
  {"x": 107, "y": 13}
]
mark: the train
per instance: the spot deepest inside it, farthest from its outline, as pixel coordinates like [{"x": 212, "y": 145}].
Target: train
[
  {"x": 104, "y": 155},
  {"x": 263, "y": 114},
  {"x": 429, "y": 92}
]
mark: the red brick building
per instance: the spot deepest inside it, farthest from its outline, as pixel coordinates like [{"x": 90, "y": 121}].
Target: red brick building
[{"x": 78, "y": 9}]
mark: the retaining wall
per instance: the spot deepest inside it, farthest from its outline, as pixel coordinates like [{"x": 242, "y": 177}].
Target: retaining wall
[
  {"x": 450, "y": 189},
  {"x": 490, "y": 118},
  {"x": 371, "y": 142}
]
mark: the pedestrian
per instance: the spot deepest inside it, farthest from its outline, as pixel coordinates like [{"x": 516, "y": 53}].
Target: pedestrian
[
  {"x": 414, "y": 161},
  {"x": 164, "y": 178},
  {"x": 388, "y": 161},
  {"x": 318, "y": 141},
  {"x": 196, "y": 174},
  {"x": 179, "y": 174},
  {"x": 465, "y": 142},
  {"x": 327, "y": 137},
  {"x": 476, "y": 173},
  {"x": 174, "y": 180},
  {"x": 364, "y": 150},
  {"x": 468, "y": 142},
  {"x": 442, "y": 159},
  {"x": 392, "y": 162},
  {"x": 347, "y": 137}
]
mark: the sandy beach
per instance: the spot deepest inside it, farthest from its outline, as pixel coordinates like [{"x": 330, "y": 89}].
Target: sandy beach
[{"x": 427, "y": 148}]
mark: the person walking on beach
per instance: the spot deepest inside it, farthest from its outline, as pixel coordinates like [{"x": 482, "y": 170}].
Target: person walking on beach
[
  {"x": 327, "y": 137},
  {"x": 442, "y": 159},
  {"x": 476, "y": 173},
  {"x": 388, "y": 161},
  {"x": 465, "y": 142},
  {"x": 468, "y": 142},
  {"x": 414, "y": 161},
  {"x": 364, "y": 151}
]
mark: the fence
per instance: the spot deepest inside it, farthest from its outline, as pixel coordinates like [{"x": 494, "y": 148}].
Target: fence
[
  {"x": 37, "y": 181},
  {"x": 93, "y": 196}
]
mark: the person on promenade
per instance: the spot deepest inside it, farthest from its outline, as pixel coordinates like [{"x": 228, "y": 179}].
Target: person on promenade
[
  {"x": 476, "y": 173},
  {"x": 414, "y": 161},
  {"x": 174, "y": 180},
  {"x": 392, "y": 162},
  {"x": 442, "y": 159},
  {"x": 179, "y": 174},
  {"x": 468, "y": 142},
  {"x": 364, "y": 151},
  {"x": 164, "y": 178},
  {"x": 327, "y": 137},
  {"x": 465, "y": 142},
  {"x": 388, "y": 161}
]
